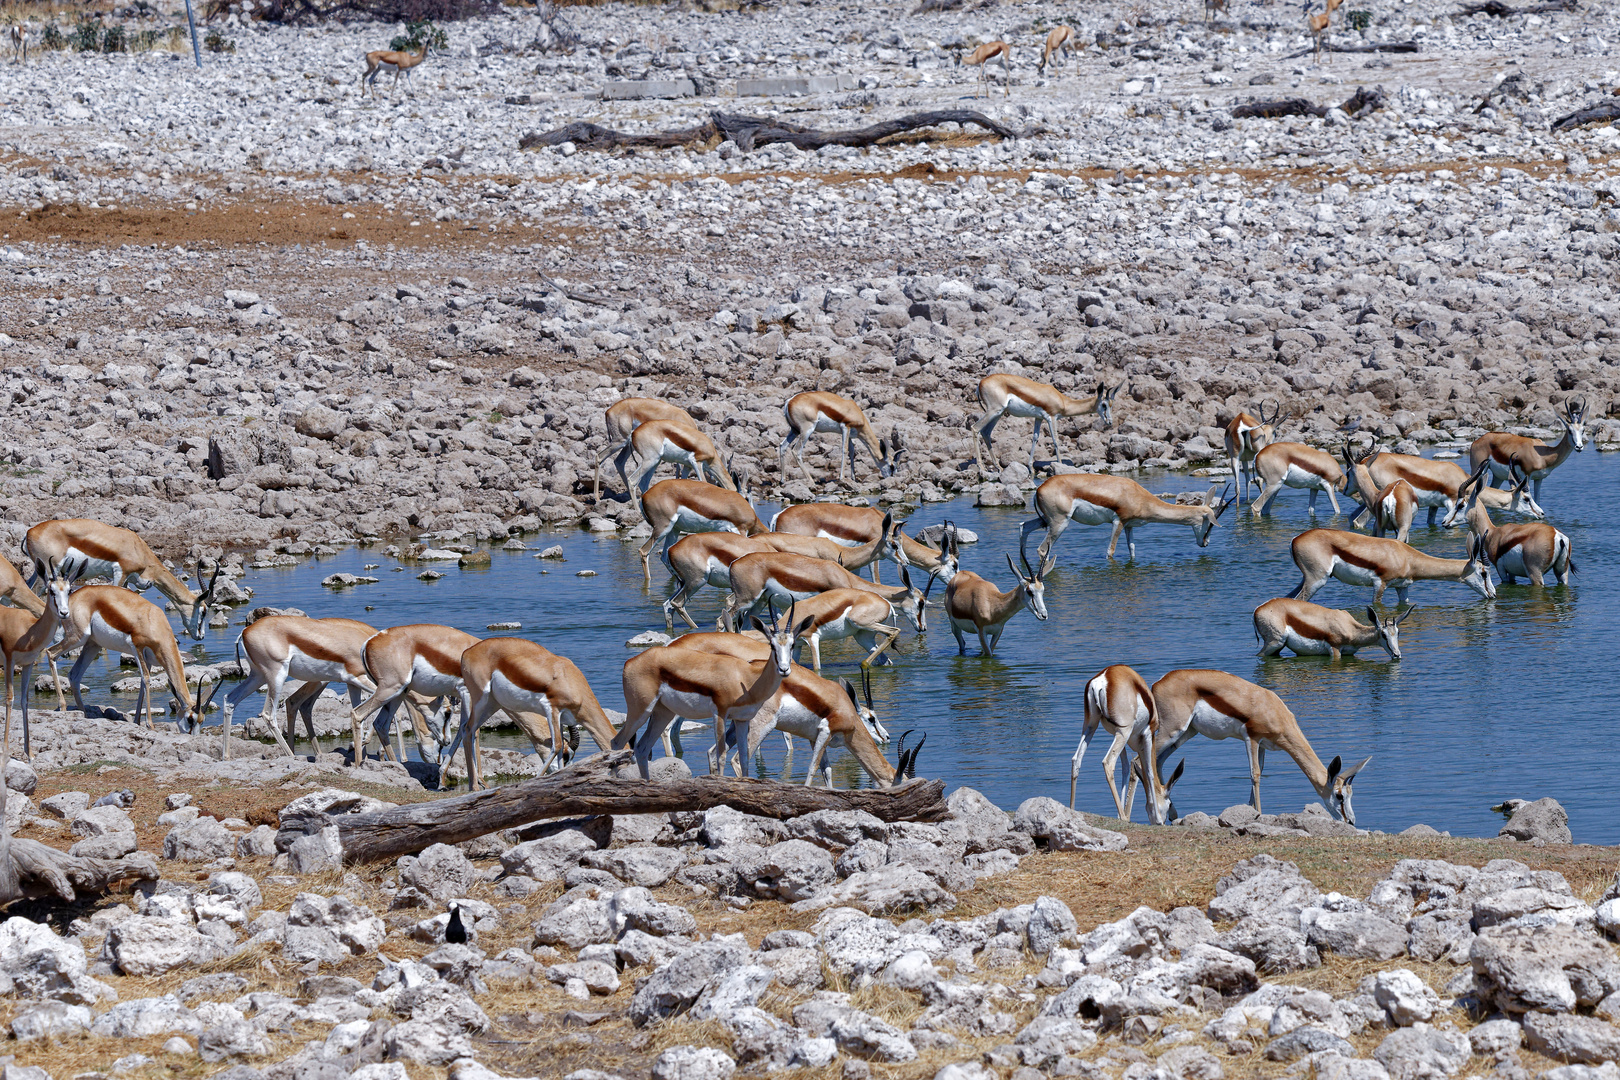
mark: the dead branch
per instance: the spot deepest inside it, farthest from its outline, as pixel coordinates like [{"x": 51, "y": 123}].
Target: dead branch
[
  {"x": 1362, "y": 102},
  {"x": 592, "y": 788},
  {"x": 752, "y": 132},
  {"x": 30, "y": 870},
  {"x": 1504, "y": 11},
  {"x": 1365, "y": 47},
  {"x": 1602, "y": 113},
  {"x": 584, "y": 298}
]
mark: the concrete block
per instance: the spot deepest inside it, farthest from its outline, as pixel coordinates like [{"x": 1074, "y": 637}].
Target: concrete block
[
  {"x": 649, "y": 88},
  {"x": 816, "y": 84}
]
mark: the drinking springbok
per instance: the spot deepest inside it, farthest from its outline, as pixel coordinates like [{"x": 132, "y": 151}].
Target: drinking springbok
[
  {"x": 422, "y": 657},
  {"x": 1536, "y": 458},
  {"x": 1313, "y": 630},
  {"x": 1245, "y": 437},
  {"x": 1381, "y": 562},
  {"x": 314, "y": 652},
  {"x": 673, "y": 507},
  {"x": 621, "y": 420},
  {"x": 1525, "y": 550},
  {"x": 778, "y": 578},
  {"x": 674, "y": 441},
  {"x": 89, "y": 549},
  {"x": 111, "y": 617}
]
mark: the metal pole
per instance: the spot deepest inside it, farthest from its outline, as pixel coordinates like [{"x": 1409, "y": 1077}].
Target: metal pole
[{"x": 196, "y": 50}]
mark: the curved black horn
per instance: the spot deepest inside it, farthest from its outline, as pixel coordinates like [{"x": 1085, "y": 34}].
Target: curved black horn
[
  {"x": 911, "y": 762},
  {"x": 866, "y": 686},
  {"x": 1023, "y": 541}
]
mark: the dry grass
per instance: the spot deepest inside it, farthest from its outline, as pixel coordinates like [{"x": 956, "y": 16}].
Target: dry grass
[{"x": 536, "y": 1030}]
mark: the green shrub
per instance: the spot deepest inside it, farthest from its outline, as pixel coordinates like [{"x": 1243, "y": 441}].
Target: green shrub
[
  {"x": 53, "y": 38},
  {"x": 86, "y": 36},
  {"x": 113, "y": 39},
  {"x": 419, "y": 32},
  {"x": 216, "y": 42},
  {"x": 1359, "y": 21}
]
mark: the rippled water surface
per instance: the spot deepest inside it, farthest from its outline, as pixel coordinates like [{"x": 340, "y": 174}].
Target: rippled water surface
[{"x": 1493, "y": 700}]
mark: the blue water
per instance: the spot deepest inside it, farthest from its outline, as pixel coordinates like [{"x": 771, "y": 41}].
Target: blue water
[{"x": 1494, "y": 699}]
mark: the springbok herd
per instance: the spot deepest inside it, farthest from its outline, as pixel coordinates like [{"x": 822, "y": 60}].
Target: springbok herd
[{"x": 795, "y": 582}]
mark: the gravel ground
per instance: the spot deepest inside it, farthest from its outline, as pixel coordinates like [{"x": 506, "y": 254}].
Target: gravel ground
[{"x": 359, "y": 300}]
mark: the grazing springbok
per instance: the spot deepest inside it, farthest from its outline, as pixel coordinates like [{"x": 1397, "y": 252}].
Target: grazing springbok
[
  {"x": 1526, "y": 550},
  {"x": 424, "y": 658},
  {"x": 90, "y": 549},
  {"x": 1014, "y": 395},
  {"x": 1098, "y": 499},
  {"x": 674, "y": 441},
  {"x": 1058, "y": 43},
  {"x": 819, "y": 411},
  {"x": 294, "y": 648},
  {"x": 1535, "y": 458},
  {"x": 114, "y": 618},
  {"x": 673, "y": 507},
  {"x": 1295, "y": 465},
  {"x": 854, "y": 526},
  {"x": 1313, "y": 630},
  {"x": 1216, "y": 705},
  {"x": 981, "y": 58},
  {"x": 972, "y": 603},
  {"x": 24, "y": 638},
  {"x": 1245, "y": 437},
  {"x": 521, "y": 676},
  {"x": 1118, "y": 699},
  {"x": 397, "y": 61},
  {"x": 779, "y": 578},
  {"x": 1435, "y": 485},
  {"x": 15, "y": 589},
  {"x": 663, "y": 685},
  {"x": 621, "y": 419},
  {"x": 1381, "y": 562}
]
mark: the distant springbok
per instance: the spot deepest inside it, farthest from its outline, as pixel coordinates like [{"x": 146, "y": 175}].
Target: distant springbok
[{"x": 400, "y": 63}]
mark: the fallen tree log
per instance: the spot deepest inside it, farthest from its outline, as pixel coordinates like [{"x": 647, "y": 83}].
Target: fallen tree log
[
  {"x": 1602, "y": 113},
  {"x": 30, "y": 870},
  {"x": 1362, "y": 102},
  {"x": 752, "y": 132},
  {"x": 1505, "y": 11},
  {"x": 1366, "y": 47},
  {"x": 591, "y": 788}
]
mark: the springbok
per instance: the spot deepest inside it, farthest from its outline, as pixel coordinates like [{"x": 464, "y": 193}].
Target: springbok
[
  {"x": 1118, "y": 699},
  {"x": 1245, "y": 437},
  {"x": 1536, "y": 459},
  {"x": 674, "y": 441},
  {"x": 1318, "y": 25},
  {"x": 779, "y": 578},
  {"x": 1525, "y": 550},
  {"x": 520, "y": 676},
  {"x": 1014, "y": 395},
  {"x": 15, "y": 589},
  {"x": 1435, "y": 485},
  {"x": 24, "y": 638},
  {"x": 399, "y": 62},
  {"x": 1313, "y": 630},
  {"x": 665, "y": 684},
  {"x": 972, "y": 603},
  {"x": 1295, "y": 465},
  {"x": 842, "y": 613},
  {"x": 621, "y": 419},
  {"x": 111, "y": 617},
  {"x": 314, "y": 652},
  {"x": 819, "y": 411},
  {"x": 1216, "y": 705},
  {"x": 1388, "y": 509},
  {"x": 89, "y": 549},
  {"x": 854, "y": 526},
  {"x": 673, "y": 507},
  {"x": 981, "y": 58},
  {"x": 19, "y": 43},
  {"x": 1058, "y": 43},
  {"x": 1097, "y": 499},
  {"x": 424, "y": 658},
  {"x": 1381, "y": 562}
]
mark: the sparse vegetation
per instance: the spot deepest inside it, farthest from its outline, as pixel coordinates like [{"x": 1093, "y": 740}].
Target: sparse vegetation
[
  {"x": 216, "y": 42},
  {"x": 419, "y": 33}
]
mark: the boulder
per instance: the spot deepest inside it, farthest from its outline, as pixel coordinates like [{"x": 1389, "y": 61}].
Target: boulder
[
  {"x": 1050, "y": 923},
  {"x": 1543, "y": 820},
  {"x": 675, "y": 986},
  {"x": 578, "y": 918},
  {"x": 1265, "y": 887},
  {"x": 425, "y": 1042},
  {"x": 1406, "y": 998},
  {"x": 1058, "y": 828},
  {"x": 693, "y": 1063},
  {"x": 440, "y": 871},
  {"x": 1564, "y": 1037},
  {"x": 1422, "y": 1053},
  {"x": 203, "y": 840},
  {"x": 49, "y": 1020},
  {"x": 232, "y": 1039},
  {"x": 647, "y": 865},
  {"x": 1361, "y": 935},
  {"x": 890, "y": 888},
  {"x": 146, "y": 1016},
  {"x": 1546, "y": 969},
  {"x": 791, "y": 870},
  {"x": 142, "y": 945}
]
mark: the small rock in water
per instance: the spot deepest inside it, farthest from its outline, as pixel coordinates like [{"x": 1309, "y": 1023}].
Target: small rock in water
[
  {"x": 504, "y": 626},
  {"x": 585, "y": 573},
  {"x": 429, "y": 575},
  {"x": 647, "y": 639},
  {"x": 553, "y": 552}
]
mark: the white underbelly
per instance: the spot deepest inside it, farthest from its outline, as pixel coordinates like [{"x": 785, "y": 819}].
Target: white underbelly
[
  {"x": 1351, "y": 574},
  {"x": 783, "y": 595},
  {"x": 1017, "y": 406},
  {"x": 79, "y": 565},
  {"x": 833, "y": 629},
  {"x": 1297, "y": 477},
  {"x": 1090, "y": 513},
  {"x": 677, "y": 455},
  {"x": 793, "y": 718},
  {"x": 689, "y": 520},
  {"x": 718, "y": 573},
  {"x": 110, "y": 639},
  {"x": 1306, "y": 646},
  {"x": 1424, "y": 498},
  {"x": 686, "y": 703},
  {"x": 1211, "y": 723},
  {"x": 1511, "y": 562},
  {"x": 509, "y": 695},
  {"x": 827, "y": 425},
  {"x": 429, "y": 680},
  {"x": 841, "y": 541},
  {"x": 305, "y": 668}
]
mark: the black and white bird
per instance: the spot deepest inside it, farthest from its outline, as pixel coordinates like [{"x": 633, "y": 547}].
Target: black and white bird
[{"x": 455, "y": 931}]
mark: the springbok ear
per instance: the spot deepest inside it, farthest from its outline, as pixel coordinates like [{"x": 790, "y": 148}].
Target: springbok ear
[
  {"x": 1407, "y": 614},
  {"x": 1351, "y": 775},
  {"x": 759, "y": 624},
  {"x": 804, "y": 624},
  {"x": 1372, "y": 614},
  {"x": 849, "y": 688},
  {"x": 1333, "y": 767}
]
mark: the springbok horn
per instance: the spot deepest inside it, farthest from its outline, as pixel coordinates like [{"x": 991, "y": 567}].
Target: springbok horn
[{"x": 911, "y": 764}]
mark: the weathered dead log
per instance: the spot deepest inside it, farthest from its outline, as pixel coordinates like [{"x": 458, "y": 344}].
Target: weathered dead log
[
  {"x": 1362, "y": 102},
  {"x": 1364, "y": 47},
  {"x": 1506, "y": 11},
  {"x": 591, "y": 788},
  {"x": 1602, "y": 113},
  {"x": 752, "y": 132},
  {"x": 30, "y": 870}
]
